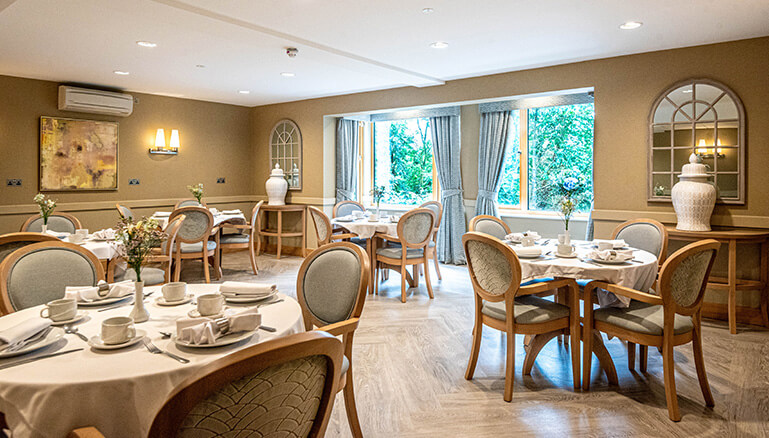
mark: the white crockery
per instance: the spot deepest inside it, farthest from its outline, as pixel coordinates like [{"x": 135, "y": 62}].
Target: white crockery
[
  {"x": 60, "y": 310},
  {"x": 210, "y": 304},
  {"x": 174, "y": 291},
  {"x": 117, "y": 330},
  {"x": 565, "y": 249}
]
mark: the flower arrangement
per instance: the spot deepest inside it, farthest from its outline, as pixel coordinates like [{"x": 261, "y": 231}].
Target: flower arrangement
[
  {"x": 377, "y": 193},
  {"x": 659, "y": 190},
  {"x": 46, "y": 206},
  {"x": 197, "y": 191},
  {"x": 570, "y": 186},
  {"x": 137, "y": 241}
]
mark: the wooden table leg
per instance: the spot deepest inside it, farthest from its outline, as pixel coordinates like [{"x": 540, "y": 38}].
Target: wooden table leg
[
  {"x": 280, "y": 232},
  {"x": 732, "y": 283},
  {"x": 764, "y": 258},
  {"x": 372, "y": 263}
]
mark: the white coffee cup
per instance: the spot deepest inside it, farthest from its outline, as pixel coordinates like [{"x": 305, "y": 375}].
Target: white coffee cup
[
  {"x": 210, "y": 304},
  {"x": 357, "y": 214},
  {"x": 76, "y": 238},
  {"x": 117, "y": 330},
  {"x": 174, "y": 291},
  {"x": 373, "y": 218},
  {"x": 565, "y": 249},
  {"x": 60, "y": 310},
  {"x": 82, "y": 232},
  {"x": 603, "y": 246},
  {"x": 527, "y": 241}
]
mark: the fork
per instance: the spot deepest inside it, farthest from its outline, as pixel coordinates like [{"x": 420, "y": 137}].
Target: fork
[{"x": 155, "y": 350}]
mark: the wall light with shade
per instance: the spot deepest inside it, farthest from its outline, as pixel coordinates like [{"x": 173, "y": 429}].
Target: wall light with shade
[
  {"x": 705, "y": 152},
  {"x": 160, "y": 143}
]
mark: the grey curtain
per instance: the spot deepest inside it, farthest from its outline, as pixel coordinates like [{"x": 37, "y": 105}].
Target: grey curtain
[
  {"x": 446, "y": 149},
  {"x": 346, "y": 159},
  {"x": 491, "y": 156}
]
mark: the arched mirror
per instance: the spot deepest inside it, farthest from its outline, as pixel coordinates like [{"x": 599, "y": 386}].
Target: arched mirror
[
  {"x": 701, "y": 116},
  {"x": 286, "y": 151}
]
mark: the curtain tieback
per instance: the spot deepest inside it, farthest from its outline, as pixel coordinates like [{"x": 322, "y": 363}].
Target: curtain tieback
[
  {"x": 487, "y": 193},
  {"x": 451, "y": 192},
  {"x": 347, "y": 194}
]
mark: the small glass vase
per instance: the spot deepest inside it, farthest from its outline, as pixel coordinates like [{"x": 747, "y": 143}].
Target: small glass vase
[
  {"x": 44, "y": 228},
  {"x": 139, "y": 312}
]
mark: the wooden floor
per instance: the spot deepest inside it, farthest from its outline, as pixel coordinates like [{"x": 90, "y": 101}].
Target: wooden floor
[{"x": 410, "y": 361}]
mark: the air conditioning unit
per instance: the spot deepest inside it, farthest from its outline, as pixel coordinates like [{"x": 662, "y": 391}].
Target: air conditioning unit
[{"x": 85, "y": 100}]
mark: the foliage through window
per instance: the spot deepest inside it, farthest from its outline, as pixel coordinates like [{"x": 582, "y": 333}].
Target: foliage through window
[{"x": 403, "y": 161}]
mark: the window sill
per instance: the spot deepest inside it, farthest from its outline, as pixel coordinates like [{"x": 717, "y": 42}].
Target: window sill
[{"x": 540, "y": 215}]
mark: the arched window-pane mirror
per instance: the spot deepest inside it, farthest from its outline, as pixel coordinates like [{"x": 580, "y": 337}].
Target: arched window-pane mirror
[
  {"x": 286, "y": 151},
  {"x": 701, "y": 116}
]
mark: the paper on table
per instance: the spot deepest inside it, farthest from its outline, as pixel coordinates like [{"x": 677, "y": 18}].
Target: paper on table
[
  {"x": 229, "y": 288},
  {"x": 24, "y": 330},
  {"x": 91, "y": 293},
  {"x": 205, "y": 331}
]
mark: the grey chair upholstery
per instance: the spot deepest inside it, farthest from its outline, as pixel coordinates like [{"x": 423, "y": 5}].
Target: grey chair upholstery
[
  {"x": 193, "y": 242},
  {"x": 13, "y": 241},
  {"x": 331, "y": 283},
  {"x": 643, "y": 236},
  {"x": 188, "y": 203},
  {"x": 528, "y": 310},
  {"x": 345, "y": 208},
  {"x": 322, "y": 227},
  {"x": 150, "y": 276},
  {"x": 60, "y": 224},
  {"x": 642, "y": 318},
  {"x": 491, "y": 225},
  {"x": 195, "y": 226},
  {"x": 124, "y": 211},
  {"x": 416, "y": 229},
  {"x": 197, "y": 246}
]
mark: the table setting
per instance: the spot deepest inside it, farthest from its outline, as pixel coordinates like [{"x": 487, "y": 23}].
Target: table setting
[
  {"x": 234, "y": 216},
  {"x": 366, "y": 225}
]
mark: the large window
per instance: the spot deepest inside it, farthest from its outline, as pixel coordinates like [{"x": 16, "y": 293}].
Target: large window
[{"x": 546, "y": 146}]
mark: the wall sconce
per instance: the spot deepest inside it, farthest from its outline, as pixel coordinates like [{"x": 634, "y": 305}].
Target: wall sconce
[
  {"x": 160, "y": 143},
  {"x": 705, "y": 152}
]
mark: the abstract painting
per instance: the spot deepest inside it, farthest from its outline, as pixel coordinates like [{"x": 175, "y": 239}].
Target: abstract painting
[{"x": 77, "y": 154}]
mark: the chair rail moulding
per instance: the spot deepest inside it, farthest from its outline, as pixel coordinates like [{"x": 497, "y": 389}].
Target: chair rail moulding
[
  {"x": 725, "y": 220},
  {"x": 110, "y": 205}
]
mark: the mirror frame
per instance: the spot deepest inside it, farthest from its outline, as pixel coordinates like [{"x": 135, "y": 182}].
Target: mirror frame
[
  {"x": 273, "y": 160},
  {"x": 742, "y": 145}
]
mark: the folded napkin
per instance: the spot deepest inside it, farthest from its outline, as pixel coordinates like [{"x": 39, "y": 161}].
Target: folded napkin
[
  {"x": 24, "y": 330},
  {"x": 57, "y": 234},
  {"x": 238, "y": 288},
  {"x": 527, "y": 251},
  {"x": 107, "y": 234},
  {"x": 611, "y": 255},
  {"x": 517, "y": 237},
  {"x": 213, "y": 211},
  {"x": 206, "y": 331},
  {"x": 162, "y": 214},
  {"x": 232, "y": 212},
  {"x": 91, "y": 293},
  {"x": 619, "y": 243}
]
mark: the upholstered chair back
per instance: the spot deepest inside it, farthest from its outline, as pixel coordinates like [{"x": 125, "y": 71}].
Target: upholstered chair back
[
  {"x": 322, "y": 225},
  {"x": 189, "y": 203},
  {"x": 436, "y": 208},
  {"x": 331, "y": 284},
  {"x": 172, "y": 231},
  {"x": 12, "y": 241},
  {"x": 646, "y": 234},
  {"x": 415, "y": 227},
  {"x": 684, "y": 276},
  {"x": 495, "y": 270},
  {"x": 197, "y": 224},
  {"x": 278, "y": 388},
  {"x": 491, "y": 225},
  {"x": 59, "y": 222},
  {"x": 39, "y": 273},
  {"x": 124, "y": 211},
  {"x": 345, "y": 208}
]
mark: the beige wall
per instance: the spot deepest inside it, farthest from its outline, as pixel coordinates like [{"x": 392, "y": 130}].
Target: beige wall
[{"x": 215, "y": 142}]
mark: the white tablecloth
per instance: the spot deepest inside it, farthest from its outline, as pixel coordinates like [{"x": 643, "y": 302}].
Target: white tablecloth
[
  {"x": 639, "y": 276},
  {"x": 239, "y": 219},
  {"x": 118, "y": 391},
  {"x": 104, "y": 250},
  {"x": 365, "y": 229}
]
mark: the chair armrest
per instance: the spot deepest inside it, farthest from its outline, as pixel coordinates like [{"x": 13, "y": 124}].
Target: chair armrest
[
  {"x": 85, "y": 432},
  {"x": 239, "y": 227},
  {"x": 342, "y": 236},
  {"x": 215, "y": 230},
  {"x": 624, "y": 291},
  {"x": 536, "y": 288},
  {"x": 342, "y": 327},
  {"x": 388, "y": 237}
]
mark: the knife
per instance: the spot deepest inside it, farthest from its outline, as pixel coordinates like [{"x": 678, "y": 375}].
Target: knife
[{"x": 36, "y": 358}]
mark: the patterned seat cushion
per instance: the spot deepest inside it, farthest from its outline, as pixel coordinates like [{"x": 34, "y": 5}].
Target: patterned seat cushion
[
  {"x": 528, "y": 310},
  {"x": 642, "y": 318},
  {"x": 234, "y": 238},
  {"x": 150, "y": 276},
  {"x": 395, "y": 253},
  {"x": 197, "y": 246}
]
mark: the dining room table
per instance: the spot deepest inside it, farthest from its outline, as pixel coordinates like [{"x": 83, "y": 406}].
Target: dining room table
[
  {"x": 235, "y": 217},
  {"x": 118, "y": 391}
]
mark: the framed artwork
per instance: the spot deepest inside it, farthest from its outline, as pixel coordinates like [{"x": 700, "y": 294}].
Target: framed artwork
[{"x": 77, "y": 154}]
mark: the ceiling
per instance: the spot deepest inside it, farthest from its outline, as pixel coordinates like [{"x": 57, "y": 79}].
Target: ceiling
[{"x": 345, "y": 46}]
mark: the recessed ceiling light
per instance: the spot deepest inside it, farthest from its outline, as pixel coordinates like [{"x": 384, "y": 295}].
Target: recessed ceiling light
[
  {"x": 630, "y": 25},
  {"x": 121, "y": 72},
  {"x": 244, "y": 92},
  {"x": 439, "y": 45},
  {"x": 428, "y": 10},
  {"x": 288, "y": 74},
  {"x": 149, "y": 44},
  {"x": 200, "y": 66}
]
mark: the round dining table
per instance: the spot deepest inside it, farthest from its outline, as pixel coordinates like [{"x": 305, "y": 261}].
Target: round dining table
[
  {"x": 366, "y": 229},
  {"x": 117, "y": 391}
]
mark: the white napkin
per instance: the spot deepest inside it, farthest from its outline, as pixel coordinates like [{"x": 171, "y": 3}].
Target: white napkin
[
  {"x": 517, "y": 237},
  {"x": 57, "y": 234},
  {"x": 206, "y": 331},
  {"x": 213, "y": 211},
  {"x": 232, "y": 212},
  {"x": 611, "y": 255},
  {"x": 91, "y": 293},
  {"x": 619, "y": 243},
  {"x": 238, "y": 288},
  {"x": 107, "y": 234},
  {"x": 527, "y": 251},
  {"x": 162, "y": 214},
  {"x": 24, "y": 330}
]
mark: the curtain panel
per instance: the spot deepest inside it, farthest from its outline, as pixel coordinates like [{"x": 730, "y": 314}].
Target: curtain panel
[
  {"x": 347, "y": 142},
  {"x": 491, "y": 157}
]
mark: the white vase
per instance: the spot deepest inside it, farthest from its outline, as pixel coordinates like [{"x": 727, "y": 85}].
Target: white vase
[
  {"x": 694, "y": 197},
  {"x": 276, "y": 186},
  {"x": 139, "y": 312},
  {"x": 44, "y": 228}
]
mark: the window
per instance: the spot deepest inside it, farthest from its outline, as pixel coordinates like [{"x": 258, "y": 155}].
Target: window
[{"x": 545, "y": 146}]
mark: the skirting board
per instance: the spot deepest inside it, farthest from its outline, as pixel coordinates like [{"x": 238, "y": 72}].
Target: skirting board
[{"x": 745, "y": 315}]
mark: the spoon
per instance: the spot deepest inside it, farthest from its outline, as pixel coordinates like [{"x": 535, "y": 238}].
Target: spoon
[
  {"x": 165, "y": 335},
  {"x": 68, "y": 329}
]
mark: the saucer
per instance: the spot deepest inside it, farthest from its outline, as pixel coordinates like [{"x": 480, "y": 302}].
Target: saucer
[
  {"x": 103, "y": 302},
  {"x": 97, "y": 343},
  {"x": 195, "y": 314},
  {"x": 227, "y": 339},
  {"x": 611, "y": 262},
  {"x": 80, "y": 315},
  {"x": 566, "y": 256},
  {"x": 247, "y": 299},
  {"x": 161, "y": 301}
]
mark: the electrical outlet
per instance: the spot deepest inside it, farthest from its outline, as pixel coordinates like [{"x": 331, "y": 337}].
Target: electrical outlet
[
  {"x": 220, "y": 180},
  {"x": 133, "y": 182},
  {"x": 13, "y": 182}
]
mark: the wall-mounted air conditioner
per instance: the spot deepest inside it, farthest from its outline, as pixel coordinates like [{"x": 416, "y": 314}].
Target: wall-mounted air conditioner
[{"x": 85, "y": 100}]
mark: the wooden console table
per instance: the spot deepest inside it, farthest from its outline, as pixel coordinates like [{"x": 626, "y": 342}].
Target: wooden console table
[
  {"x": 279, "y": 232},
  {"x": 733, "y": 237}
]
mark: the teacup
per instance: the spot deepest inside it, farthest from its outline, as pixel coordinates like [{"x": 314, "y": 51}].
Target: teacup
[
  {"x": 76, "y": 238},
  {"x": 603, "y": 246},
  {"x": 373, "y": 218},
  {"x": 210, "y": 304},
  {"x": 565, "y": 249},
  {"x": 527, "y": 241},
  {"x": 174, "y": 291},
  {"x": 82, "y": 232},
  {"x": 358, "y": 214},
  {"x": 117, "y": 330},
  {"x": 60, "y": 310}
]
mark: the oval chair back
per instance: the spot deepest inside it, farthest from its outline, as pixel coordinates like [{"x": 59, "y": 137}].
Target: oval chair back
[
  {"x": 189, "y": 203},
  {"x": 39, "y": 273},
  {"x": 331, "y": 284},
  {"x": 345, "y": 208},
  {"x": 415, "y": 228},
  {"x": 684, "y": 276},
  {"x": 124, "y": 212},
  {"x": 437, "y": 209},
  {"x": 197, "y": 225},
  {"x": 172, "y": 231},
  {"x": 12, "y": 241},
  {"x": 495, "y": 270},
  {"x": 280, "y": 387},
  {"x": 491, "y": 225},
  {"x": 322, "y": 223},
  {"x": 646, "y": 234},
  {"x": 59, "y": 222}
]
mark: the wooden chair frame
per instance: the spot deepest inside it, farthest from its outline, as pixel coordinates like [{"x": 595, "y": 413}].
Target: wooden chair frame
[
  {"x": 668, "y": 339},
  {"x": 546, "y": 331},
  {"x": 344, "y": 328},
  {"x": 5, "y": 267},
  {"x": 204, "y": 254},
  {"x": 119, "y": 208},
  {"x": 331, "y": 236},
  {"x": 253, "y": 232},
  {"x": 176, "y": 206},
  {"x": 480, "y": 217},
  {"x": 433, "y": 252},
  {"x": 400, "y": 264},
  {"x": 27, "y": 236},
  {"x": 340, "y": 203},
  {"x": 68, "y": 216}
]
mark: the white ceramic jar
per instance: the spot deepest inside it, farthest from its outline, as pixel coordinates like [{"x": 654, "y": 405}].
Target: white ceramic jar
[
  {"x": 276, "y": 186},
  {"x": 694, "y": 197}
]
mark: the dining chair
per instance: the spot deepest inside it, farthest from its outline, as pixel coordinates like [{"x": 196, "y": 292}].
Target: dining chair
[
  {"x": 331, "y": 290},
  {"x": 12, "y": 241},
  {"x": 668, "y": 319},
  {"x": 39, "y": 273},
  {"x": 124, "y": 211},
  {"x": 495, "y": 273},
  {"x": 193, "y": 242},
  {"x": 324, "y": 232},
  {"x": 190, "y": 202},
  {"x": 415, "y": 230},
  {"x": 240, "y": 240},
  {"x": 59, "y": 222},
  {"x": 432, "y": 252},
  {"x": 490, "y": 225},
  {"x": 283, "y": 387},
  {"x": 345, "y": 208}
]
